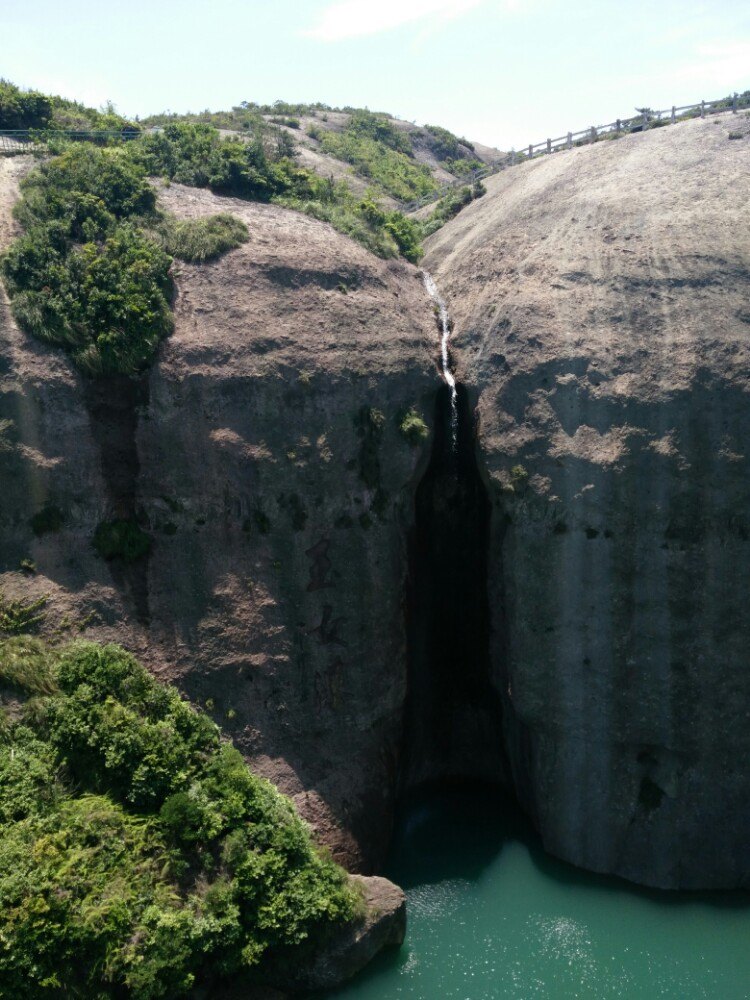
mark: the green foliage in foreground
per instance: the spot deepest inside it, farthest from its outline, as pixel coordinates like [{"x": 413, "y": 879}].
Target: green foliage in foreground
[
  {"x": 139, "y": 856},
  {"x": 196, "y": 240}
]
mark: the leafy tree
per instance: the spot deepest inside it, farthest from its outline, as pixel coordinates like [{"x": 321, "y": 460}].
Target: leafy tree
[{"x": 21, "y": 109}]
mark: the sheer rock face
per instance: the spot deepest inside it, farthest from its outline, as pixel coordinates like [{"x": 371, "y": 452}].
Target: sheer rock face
[
  {"x": 279, "y": 508},
  {"x": 602, "y": 307}
]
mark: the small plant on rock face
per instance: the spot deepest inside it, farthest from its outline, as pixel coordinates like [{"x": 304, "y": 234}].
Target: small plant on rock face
[
  {"x": 17, "y": 617},
  {"x": 413, "y": 427},
  {"x": 121, "y": 539},
  {"x": 518, "y": 476}
]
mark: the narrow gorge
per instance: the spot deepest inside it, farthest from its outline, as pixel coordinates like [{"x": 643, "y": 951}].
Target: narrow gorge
[{"x": 485, "y": 525}]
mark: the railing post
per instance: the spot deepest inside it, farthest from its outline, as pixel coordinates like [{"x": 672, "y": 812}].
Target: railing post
[
  {"x": 645, "y": 121},
  {"x": 549, "y": 145},
  {"x": 734, "y": 103},
  {"x": 592, "y": 134},
  {"x": 531, "y": 151},
  {"x": 703, "y": 109},
  {"x": 674, "y": 114},
  {"x": 570, "y": 140},
  {"x": 618, "y": 127},
  {"x": 512, "y": 157}
]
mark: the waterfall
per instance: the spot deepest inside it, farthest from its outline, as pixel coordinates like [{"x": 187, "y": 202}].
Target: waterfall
[{"x": 445, "y": 332}]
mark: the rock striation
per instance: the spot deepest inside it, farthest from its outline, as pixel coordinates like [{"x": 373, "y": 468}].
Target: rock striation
[{"x": 601, "y": 300}]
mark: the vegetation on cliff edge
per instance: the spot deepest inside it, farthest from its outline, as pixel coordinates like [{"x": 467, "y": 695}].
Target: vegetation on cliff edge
[
  {"x": 91, "y": 273},
  {"x": 139, "y": 855}
]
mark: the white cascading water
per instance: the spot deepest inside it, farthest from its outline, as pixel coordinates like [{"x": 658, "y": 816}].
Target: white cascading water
[{"x": 445, "y": 333}]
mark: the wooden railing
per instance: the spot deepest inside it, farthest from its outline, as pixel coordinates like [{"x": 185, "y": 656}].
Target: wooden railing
[{"x": 644, "y": 120}]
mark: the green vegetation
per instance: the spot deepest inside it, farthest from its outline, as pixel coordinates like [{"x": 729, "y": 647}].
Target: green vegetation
[
  {"x": 29, "y": 109},
  {"x": 139, "y": 855},
  {"x": 451, "y": 150},
  {"x": 121, "y": 539},
  {"x": 197, "y": 155},
  {"x": 203, "y": 239},
  {"x": 519, "y": 477},
  {"x": 91, "y": 274},
  {"x": 413, "y": 427},
  {"x": 450, "y": 205},
  {"x": 84, "y": 276},
  {"x": 20, "y": 616},
  {"x": 23, "y": 108},
  {"x": 381, "y": 153}
]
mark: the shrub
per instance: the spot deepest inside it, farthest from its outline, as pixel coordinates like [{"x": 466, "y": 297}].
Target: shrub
[
  {"x": 84, "y": 277},
  {"x": 107, "y": 304},
  {"x": 413, "y": 427},
  {"x": 393, "y": 171},
  {"x": 407, "y": 234},
  {"x": 450, "y": 205},
  {"x": 203, "y": 239},
  {"x": 121, "y": 539},
  {"x": 23, "y": 108},
  {"x": 139, "y": 855}
]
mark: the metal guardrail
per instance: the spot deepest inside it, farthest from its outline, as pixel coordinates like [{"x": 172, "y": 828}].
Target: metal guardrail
[{"x": 641, "y": 122}]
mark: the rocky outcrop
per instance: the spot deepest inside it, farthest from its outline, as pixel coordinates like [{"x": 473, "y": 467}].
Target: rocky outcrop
[
  {"x": 263, "y": 454},
  {"x": 602, "y": 307},
  {"x": 382, "y": 924}
]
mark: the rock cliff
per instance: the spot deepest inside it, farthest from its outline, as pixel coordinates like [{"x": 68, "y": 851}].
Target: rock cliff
[
  {"x": 588, "y": 542},
  {"x": 601, "y": 299},
  {"x": 263, "y": 454}
]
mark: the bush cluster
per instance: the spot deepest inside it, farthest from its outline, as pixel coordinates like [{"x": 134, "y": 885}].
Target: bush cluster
[
  {"x": 382, "y": 154},
  {"x": 450, "y": 205},
  {"x": 138, "y": 853},
  {"x": 84, "y": 276},
  {"x": 21, "y": 109}
]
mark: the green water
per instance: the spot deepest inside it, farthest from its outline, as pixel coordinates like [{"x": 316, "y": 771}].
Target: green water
[{"x": 491, "y": 916}]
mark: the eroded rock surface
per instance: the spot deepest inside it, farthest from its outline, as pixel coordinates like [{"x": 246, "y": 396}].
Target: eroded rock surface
[
  {"x": 263, "y": 452},
  {"x": 602, "y": 308}
]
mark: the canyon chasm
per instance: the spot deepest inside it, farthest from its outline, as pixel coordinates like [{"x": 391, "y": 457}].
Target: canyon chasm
[{"x": 556, "y": 602}]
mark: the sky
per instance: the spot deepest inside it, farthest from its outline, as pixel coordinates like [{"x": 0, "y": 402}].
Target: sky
[{"x": 502, "y": 72}]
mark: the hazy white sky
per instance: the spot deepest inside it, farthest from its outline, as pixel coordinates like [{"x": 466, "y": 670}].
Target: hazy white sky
[{"x": 505, "y": 72}]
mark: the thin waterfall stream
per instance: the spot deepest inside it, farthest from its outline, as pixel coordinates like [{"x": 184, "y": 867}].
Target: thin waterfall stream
[{"x": 445, "y": 334}]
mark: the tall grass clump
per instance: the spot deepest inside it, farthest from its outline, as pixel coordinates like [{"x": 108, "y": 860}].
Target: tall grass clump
[{"x": 198, "y": 240}]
